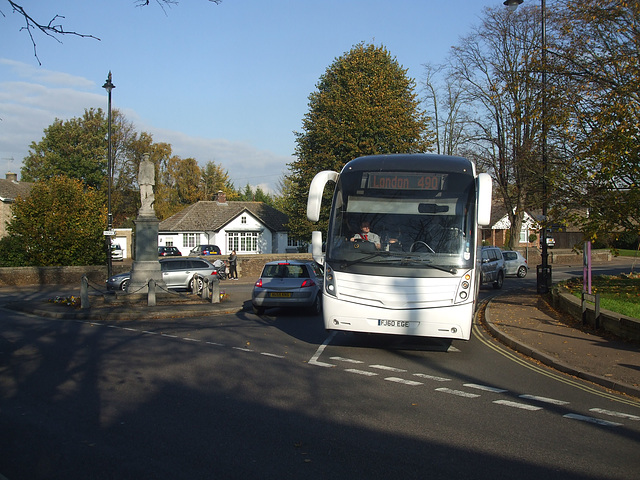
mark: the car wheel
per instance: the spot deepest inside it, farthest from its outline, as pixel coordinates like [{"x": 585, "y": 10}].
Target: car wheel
[
  {"x": 316, "y": 308},
  {"x": 124, "y": 285},
  {"x": 498, "y": 283},
  {"x": 258, "y": 310},
  {"x": 195, "y": 285},
  {"x": 522, "y": 272}
]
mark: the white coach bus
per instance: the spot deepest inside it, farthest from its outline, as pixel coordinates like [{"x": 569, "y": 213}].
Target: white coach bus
[{"x": 415, "y": 270}]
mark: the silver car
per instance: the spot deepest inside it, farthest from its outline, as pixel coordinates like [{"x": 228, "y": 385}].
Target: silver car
[
  {"x": 177, "y": 273},
  {"x": 289, "y": 283},
  {"x": 515, "y": 264}
]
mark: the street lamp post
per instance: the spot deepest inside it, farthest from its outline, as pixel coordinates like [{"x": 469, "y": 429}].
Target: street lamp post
[
  {"x": 108, "y": 86},
  {"x": 543, "y": 270}
]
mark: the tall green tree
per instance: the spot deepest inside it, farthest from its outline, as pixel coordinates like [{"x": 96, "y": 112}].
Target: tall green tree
[
  {"x": 61, "y": 222},
  {"x": 597, "y": 53},
  {"x": 364, "y": 104},
  {"x": 75, "y": 148}
]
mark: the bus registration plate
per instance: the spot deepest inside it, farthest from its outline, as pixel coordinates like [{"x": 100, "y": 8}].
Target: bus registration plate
[
  {"x": 280, "y": 294},
  {"x": 394, "y": 323}
]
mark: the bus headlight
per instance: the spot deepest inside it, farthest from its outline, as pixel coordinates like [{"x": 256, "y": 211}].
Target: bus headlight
[
  {"x": 329, "y": 281},
  {"x": 463, "y": 287}
]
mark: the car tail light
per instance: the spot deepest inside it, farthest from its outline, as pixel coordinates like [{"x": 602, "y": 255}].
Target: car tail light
[
  {"x": 259, "y": 283},
  {"x": 308, "y": 283}
]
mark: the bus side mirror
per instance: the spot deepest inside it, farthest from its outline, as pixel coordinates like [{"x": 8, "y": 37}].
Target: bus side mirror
[
  {"x": 485, "y": 185},
  {"x": 314, "y": 201}
]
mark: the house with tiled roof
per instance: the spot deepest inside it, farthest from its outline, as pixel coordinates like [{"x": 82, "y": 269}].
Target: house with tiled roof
[
  {"x": 10, "y": 189},
  {"x": 246, "y": 227}
]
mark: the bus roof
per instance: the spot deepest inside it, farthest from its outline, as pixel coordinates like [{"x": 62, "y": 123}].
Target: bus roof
[{"x": 411, "y": 162}]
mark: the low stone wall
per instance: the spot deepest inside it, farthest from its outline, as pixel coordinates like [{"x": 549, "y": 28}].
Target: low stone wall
[
  {"x": 249, "y": 266},
  {"x": 612, "y": 322}
]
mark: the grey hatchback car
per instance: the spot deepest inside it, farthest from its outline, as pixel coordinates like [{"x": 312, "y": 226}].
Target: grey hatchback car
[
  {"x": 515, "y": 264},
  {"x": 289, "y": 283}
]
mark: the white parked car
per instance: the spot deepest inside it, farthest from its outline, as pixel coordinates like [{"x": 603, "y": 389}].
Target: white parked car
[{"x": 515, "y": 264}]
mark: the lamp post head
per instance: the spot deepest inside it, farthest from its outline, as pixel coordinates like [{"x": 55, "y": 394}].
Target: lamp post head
[
  {"x": 108, "y": 85},
  {"x": 512, "y": 5}
]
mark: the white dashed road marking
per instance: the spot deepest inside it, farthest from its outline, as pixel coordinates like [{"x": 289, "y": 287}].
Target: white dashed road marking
[
  {"x": 522, "y": 406},
  {"x": 361, "y": 372},
  {"x": 615, "y": 414},
  {"x": 552, "y": 401},
  {"x": 459, "y": 393},
  {"x": 432, "y": 377},
  {"x": 403, "y": 381},
  {"x": 597, "y": 421},
  {"x": 485, "y": 388},
  {"x": 388, "y": 369}
]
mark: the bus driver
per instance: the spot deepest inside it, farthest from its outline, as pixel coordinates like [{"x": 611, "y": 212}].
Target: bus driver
[{"x": 367, "y": 235}]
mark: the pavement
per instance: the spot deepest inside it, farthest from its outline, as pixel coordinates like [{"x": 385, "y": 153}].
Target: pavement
[{"x": 520, "y": 318}]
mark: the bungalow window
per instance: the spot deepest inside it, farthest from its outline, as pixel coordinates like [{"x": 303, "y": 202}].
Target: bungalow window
[
  {"x": 243, "y": 242},
  {"x": 189, "y": 240}
]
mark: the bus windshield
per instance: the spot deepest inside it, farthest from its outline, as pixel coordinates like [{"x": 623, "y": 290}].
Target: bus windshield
[{"x": 410, "y": 224}]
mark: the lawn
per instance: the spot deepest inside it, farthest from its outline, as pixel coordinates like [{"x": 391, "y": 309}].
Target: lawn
[{"x": 618, "y": 293}]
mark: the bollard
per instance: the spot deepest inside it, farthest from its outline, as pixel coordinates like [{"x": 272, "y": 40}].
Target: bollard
[
  {"x": 215, "y": 290},
  {"x": 84, "y": 292},
  {"x": 151, "y": 294},
  {"x": 205, "y": 289}
]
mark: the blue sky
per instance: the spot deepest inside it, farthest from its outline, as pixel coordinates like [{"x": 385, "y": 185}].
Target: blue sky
[{"x": 227, "y": 83}]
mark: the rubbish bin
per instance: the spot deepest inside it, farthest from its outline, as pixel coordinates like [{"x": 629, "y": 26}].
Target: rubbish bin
[{"x": 543, "y": 275}]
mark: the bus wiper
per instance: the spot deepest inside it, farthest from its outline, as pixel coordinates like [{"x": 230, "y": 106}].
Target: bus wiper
[
  {"x": 381, "y": 253},
  {"x": 430, "y": 264}
]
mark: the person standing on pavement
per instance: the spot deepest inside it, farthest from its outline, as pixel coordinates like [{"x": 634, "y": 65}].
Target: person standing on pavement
[{"x": 233, "y": 263}]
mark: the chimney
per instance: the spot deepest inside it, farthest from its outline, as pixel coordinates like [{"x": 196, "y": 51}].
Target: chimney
[
  {"x": 222, "y": 197},
  {"x": 13, "y": 177}
]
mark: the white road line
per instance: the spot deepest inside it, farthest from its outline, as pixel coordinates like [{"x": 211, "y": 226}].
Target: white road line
[
  {"x": 388, "y": 369},
  {"x": 552, "y": 401},
  {"x": 403, "y": 381},
  {"x": 346, "y": 360},
  {"x": 130, "y": 329},
  {"x": 459, "y": 393},
  {"x": 597, "y": 421},
  {"x": 149, "y": 333},
  {"x": 191, "y": 339},
  {"x": 432, "y": 377},
  {"x": 216, "y": 344},
  {"x": 168, "y": 336},
  {"x": 243, "y": 349},
  {"x": 271, "y": 355},
  {"x": 485, "y": 388},
  {"x": 316, "y": 356},
  {"x": 361, "y": 372},
  {"x": 615, "y": 414},
  {"x": 522, "y": 406}
]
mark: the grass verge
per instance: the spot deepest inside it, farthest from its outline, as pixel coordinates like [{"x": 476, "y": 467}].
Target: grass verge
[{"x": 618, "y": 293}]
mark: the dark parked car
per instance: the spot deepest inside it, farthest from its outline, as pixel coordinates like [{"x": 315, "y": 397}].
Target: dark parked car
[
  {"x": 169, "y": 252},
  {"x": 293, "y": 283},
  {"x": 492, "y": 267},
  {"x": 515, "y": 264},
  {"x": 177, "y": 273},
  {"x": 204, "y": 250}
]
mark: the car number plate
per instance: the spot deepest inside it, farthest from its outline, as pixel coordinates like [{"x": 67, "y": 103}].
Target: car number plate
[{"x": 280, "y": 294}]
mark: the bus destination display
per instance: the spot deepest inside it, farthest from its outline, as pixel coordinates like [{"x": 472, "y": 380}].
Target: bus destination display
[{"x": 406, "y": 181}]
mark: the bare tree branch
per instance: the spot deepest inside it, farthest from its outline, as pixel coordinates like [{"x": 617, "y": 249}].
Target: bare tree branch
[{"x": 54, "y": 28}]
